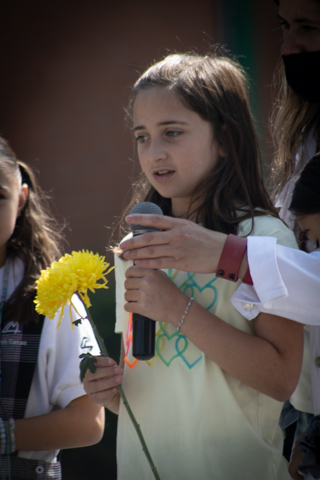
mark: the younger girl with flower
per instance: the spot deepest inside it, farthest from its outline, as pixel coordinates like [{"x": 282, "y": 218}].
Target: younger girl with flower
[
  {"x": 209, "y": 401},
  {"x": 43, "y": 406}
]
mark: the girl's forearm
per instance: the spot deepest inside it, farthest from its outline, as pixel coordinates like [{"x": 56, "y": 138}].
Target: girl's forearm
[
  {"x": 263, "y": 363},
  {"x": 80, "y": 424}
]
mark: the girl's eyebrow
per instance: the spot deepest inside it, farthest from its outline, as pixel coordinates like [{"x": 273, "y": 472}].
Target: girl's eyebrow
[
  {"x": 168, "y": 122},
  {"x": 310, "y": 20}
]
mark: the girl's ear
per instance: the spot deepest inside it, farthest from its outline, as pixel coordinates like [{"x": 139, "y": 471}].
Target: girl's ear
[{"x": 23, "y": 197}]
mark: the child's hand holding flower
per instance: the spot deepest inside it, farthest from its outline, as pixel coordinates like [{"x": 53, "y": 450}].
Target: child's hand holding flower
[{"x": 78, "y": 273}]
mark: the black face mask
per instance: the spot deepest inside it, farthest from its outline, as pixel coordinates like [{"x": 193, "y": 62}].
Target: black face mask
[{"x": 303, "y": 74}]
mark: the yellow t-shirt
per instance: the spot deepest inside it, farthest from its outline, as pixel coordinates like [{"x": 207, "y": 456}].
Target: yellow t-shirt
[{"x": 198, "y": 421}]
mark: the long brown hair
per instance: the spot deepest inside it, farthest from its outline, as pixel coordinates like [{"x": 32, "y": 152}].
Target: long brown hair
[
  {"x": 36, "y": 239},
  {"x": 215, "y": 86},
  {"x": 292, "y": 121}
]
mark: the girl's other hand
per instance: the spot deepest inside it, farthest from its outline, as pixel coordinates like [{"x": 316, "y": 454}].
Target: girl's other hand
[
  {"x": 182, "y": 244},
  {"x": 101, "y": 386},
  {"x": 153, "y": 294}
]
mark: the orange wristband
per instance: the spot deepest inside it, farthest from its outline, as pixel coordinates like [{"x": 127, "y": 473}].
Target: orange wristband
[
  {"x": 247, "y": 278},
  {"x": 231, "y": 258}
]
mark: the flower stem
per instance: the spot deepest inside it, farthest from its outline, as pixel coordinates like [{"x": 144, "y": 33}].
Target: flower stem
[{"x": 105, "y": 353}]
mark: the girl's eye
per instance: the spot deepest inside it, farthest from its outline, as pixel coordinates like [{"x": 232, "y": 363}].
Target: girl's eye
[
  {"x": 173, "y": 133},
  {"x": 284, "y": 25},
  {"x": 142, "y": 138},
  {"x": 308, "y": 28}
]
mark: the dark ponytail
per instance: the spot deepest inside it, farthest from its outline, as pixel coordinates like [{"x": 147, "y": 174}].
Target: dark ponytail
[{"x": 36, "y": 239}]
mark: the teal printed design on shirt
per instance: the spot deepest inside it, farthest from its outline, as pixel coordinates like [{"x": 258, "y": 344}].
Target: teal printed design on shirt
[
  {"x": 191, "y": 287},
  {"x": 171, "y": 344},
  {"x": 175, "y": 346}
]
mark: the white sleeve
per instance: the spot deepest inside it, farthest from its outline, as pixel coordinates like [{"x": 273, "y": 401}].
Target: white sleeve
[
  {"x": 56, "y": 381},
  {"x": 286, "y": 282},
  {"x": 59, "y": 353}
]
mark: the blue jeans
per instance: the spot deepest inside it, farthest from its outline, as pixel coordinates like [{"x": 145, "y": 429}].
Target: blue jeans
[{"x": 289, "y": 415}]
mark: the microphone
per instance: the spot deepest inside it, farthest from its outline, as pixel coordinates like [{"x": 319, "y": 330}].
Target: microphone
[{"x": 143, "y": 329}]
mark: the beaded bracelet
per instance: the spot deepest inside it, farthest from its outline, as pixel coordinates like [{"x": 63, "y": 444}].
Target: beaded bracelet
[
  {"x": 3, "y": 437},
  {"x": 184, "y": 314},
  {"x": 11, "y": 425},
  {"x": 231, "y": 258},
  {"x": 7, "y": 436}
]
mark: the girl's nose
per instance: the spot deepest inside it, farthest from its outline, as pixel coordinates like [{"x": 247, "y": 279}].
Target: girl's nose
[
  {"x": 292, "y": 43},
  {"x": 157, "y": 151}
]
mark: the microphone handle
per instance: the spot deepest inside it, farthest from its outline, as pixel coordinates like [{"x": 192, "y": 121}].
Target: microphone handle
[{"x": 143, "y": 337}]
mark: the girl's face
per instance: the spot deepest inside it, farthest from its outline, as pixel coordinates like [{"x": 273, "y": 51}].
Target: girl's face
[
  {"x": 310, "y": 224},
  {"x": 300, "y": 20},
  {"x": 176, "y": 147},
  {"x": 12, "y": 201}
]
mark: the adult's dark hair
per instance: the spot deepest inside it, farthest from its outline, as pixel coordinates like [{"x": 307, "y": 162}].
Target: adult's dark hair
[
  {"x": 36, "y": 239},
  {"x": 215, "y": 87},
  {"x": 306, "y": 194}
]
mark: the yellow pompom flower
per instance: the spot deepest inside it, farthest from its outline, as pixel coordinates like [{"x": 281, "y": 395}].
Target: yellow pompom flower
[{"x": 78, "y": 272}]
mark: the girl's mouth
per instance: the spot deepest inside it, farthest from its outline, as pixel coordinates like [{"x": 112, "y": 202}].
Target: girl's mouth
[{"x": 162, "y": 175}]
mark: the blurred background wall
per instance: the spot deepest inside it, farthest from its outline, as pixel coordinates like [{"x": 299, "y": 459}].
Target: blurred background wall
[{"x": 66, "y": 71}]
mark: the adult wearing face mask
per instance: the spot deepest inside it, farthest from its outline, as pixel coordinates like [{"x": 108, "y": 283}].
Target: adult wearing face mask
[
  {"x": 296, "y": 129},
  {"x": 298, "y": 300},
  {"x": 295, "y": 120}
]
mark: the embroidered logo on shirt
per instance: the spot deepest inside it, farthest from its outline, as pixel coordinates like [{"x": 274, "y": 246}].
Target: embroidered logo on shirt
[
  {"x": 85, "y": 345},
  {"x": 11, "y": 327}
]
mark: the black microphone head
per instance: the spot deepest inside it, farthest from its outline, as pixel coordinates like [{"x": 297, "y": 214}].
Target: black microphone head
[{"x": 144, "y": 208}]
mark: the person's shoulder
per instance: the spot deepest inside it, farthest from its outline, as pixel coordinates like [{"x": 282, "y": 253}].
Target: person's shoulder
[
  {"x": 263, "y": 222},
  {"x": 260, "y": 223},
  {"x": 268, "y": 225}
]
